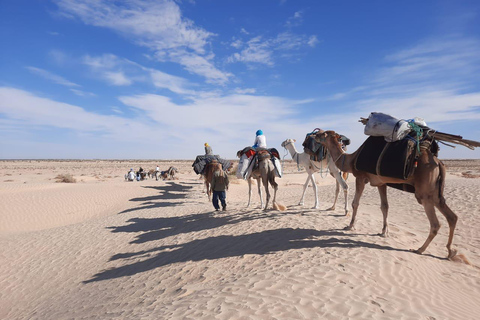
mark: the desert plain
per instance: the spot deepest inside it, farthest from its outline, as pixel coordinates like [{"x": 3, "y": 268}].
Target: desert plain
[{"x": 104, "y": 248}]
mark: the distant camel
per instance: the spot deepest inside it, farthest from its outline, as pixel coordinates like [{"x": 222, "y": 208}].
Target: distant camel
[
  {"x": 169, "y": 174},
  {"x": 428, "y": 181},
  {"x": 312, "y": 167},
  {"x": 263, "y": 173},
  {"x": 210, "y": 168}
]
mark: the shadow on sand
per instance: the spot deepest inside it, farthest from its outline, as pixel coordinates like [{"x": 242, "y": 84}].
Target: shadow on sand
[
  {"x": 170, "y": 191},
  {"x": 212, "y": 248}
]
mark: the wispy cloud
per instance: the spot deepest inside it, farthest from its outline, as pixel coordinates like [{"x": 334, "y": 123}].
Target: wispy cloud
[
  {"x": 245, "y": 90},
  {"x": 264, "y": 51},
  {"x": 82, "y": 93},
  {"x": 158, "y": 25},
  {"x": 51, "y": 77},
  {"x": 119, "y": 71},
  {"x": 295, "y": 20}
]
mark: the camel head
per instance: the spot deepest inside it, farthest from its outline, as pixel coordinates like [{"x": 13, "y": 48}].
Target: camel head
[
  {"x": 287, "y": 142},
  {"x": 323, "y": 136}
]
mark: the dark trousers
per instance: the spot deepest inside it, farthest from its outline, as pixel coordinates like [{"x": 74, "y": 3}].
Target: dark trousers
[{"x": 219, "y": 195}]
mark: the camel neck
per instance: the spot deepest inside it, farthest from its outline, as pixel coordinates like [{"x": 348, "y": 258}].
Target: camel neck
[
  {"x": 338, "y": 155},
  {"x": 293, "y": 151}
]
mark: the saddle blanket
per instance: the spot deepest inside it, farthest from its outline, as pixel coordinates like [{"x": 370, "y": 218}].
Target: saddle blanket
[
  {"x": 387, "y": 159},
  {"x": 201, "y": 162},
  {"x": 248, "y": 162}
]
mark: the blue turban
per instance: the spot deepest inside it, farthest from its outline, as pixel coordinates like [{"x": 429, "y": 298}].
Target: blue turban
[{"x": 259, "y": 132}]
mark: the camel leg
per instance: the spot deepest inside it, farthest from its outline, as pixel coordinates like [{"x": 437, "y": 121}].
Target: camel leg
[
  {"x": 274, "y": 186},
  {"x": 209, "y": 192},
  {"x": 305, "y": 185},
  {"x": 312, "y": 178},
  {"x": 337, "y": 190},
  {"x": 382, "y": 190},
  {"x": 259, "y": 183},
  {"x": 249, "y": 191},
  {"x": 434, "y": 224},
  {"x": 359, "y": 187},
  {"x": 265, "y": 184},
  {"x": 452, "y": 222},
  {"x": 337, "y": 174}
]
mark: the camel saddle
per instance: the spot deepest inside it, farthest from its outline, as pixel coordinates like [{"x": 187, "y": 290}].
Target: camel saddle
[
  {"x": 315, "y": 149},
  {"x": 201, "y": 162},
  {"x": 387, "y": 159}
]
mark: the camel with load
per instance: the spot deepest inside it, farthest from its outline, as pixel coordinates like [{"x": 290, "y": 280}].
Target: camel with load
[
  {"x": 311, "y": 166},
  {"x": 427, "y": 181}
]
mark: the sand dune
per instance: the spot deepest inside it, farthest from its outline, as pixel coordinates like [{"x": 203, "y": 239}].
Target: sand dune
[{"x": 103, "y": 248}]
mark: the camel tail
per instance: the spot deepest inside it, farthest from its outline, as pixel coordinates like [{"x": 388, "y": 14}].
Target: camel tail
[{"x": 278, "y": 206}]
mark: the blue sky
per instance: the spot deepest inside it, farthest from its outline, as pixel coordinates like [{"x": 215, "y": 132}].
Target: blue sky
[{"x": 157, "y": 79}]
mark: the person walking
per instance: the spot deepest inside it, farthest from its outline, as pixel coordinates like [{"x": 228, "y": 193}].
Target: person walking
[{"x": 219, "y": 187}]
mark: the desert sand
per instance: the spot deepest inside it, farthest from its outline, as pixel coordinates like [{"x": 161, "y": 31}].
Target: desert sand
[{"x": 104, "y": 248}]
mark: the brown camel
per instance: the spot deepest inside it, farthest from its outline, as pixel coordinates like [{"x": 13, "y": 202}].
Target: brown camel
[
  {"x": 263, "y": 173},
  {"x": 428, "y": 181},
  {"x": 210, "y": 168},
  {"x": 169, "y": 174}
]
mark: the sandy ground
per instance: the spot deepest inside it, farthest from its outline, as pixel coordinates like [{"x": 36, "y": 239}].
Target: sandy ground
[{"x": 103, "y": 248}]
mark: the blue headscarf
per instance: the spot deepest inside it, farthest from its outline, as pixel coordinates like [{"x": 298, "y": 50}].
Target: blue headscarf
[{"x": 259, "y": 132}]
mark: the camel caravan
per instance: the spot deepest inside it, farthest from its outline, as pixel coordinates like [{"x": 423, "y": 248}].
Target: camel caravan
[{"x": 401, "y": 154}]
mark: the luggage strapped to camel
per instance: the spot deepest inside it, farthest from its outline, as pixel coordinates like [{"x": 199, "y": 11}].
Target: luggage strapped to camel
[
  {"x": 315, "y": 149},
  {"x": 201, "y": 162},
  {"x": 394, "y": 145}
]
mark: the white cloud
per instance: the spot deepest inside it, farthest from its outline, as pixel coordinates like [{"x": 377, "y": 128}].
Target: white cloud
[
  {"x": 118, "y": 71},
  {"x": 257, "y": 51},
  {"x": 295, "y": 20},
  {"x": 117, "y": 78},
  {"x": 260, "y": 51},
  {"x": 82, "y": 93},
  {"x": 52, "y": 77},
  {"x": 312, "y": 41},
  {"x": 245, "y": 90},
  {"x": 228, "y": 122},
  {"x": 158, "y": 25}
]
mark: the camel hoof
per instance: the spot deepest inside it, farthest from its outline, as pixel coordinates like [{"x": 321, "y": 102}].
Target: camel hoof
[
  {"x": 452, "y": 253},
  {"x": 331, "y": 209},
  {"x": 383, "y": 235},
  {"x": 348, "y": 228},
  {"x": 415, "y": 251}
]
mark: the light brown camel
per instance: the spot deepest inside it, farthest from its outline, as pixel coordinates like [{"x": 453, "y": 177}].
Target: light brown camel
[
  {"x": 169, "y": 174},
  {"x": 428, "y": 180},
  {"x": 263, "y": 173},
  {"x": 210, "y": 168}
]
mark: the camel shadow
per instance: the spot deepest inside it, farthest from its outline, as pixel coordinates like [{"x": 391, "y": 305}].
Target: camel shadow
[
  {"x": 213, "y": 248},
  {"x": 170, "y": 191},
  {"x": 152, "y": 229}
]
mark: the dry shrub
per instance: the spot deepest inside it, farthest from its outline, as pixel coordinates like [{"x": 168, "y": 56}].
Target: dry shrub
[
  {"x": 65, "y": 178},
  {"x": 470, "y": 174}
]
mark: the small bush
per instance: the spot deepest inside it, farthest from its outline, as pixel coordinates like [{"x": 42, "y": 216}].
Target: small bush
[{"x": 65, "y": 178}]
